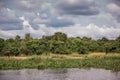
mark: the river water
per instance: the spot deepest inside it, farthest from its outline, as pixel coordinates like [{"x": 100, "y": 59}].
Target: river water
[{"x": 59, "y": 74}]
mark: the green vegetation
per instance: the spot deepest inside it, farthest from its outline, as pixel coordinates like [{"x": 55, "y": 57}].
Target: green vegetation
[
  {"x": 58, "y": 43},
  {"x": 59, "y": 51},
  {"x": 100, "y": 60}
]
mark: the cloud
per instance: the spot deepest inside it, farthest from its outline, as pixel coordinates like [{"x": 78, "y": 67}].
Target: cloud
[
  {"x": 59, "y": 22},
  {"x": 54, "y": 22},
  {"x": 48, "y": 17},
  {"x": 116, "y": 2},
  {"x": 103, "y": 19},
  {"x": 114, "y": 9},
  {"x": 2, "y": 5},
  {"x": 7, "y": 14},
  {"x": 30, "y": 5},
  {"x": 27, "y": 4},
  {"x": 92, "y": 18},
  {"x": 77, "y": 7},
  {"x": 14, "y": 26},
  {"x": 25, "y": 22},
  {"x": 39, "y": 21},
  {"x": 8, "y": 20},
  {"x": 90, "y": 30},
  {"x": 6, "y": 34}
]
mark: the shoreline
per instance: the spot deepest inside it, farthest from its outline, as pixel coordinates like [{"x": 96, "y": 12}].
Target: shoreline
[{"x": 109, "y": 62}]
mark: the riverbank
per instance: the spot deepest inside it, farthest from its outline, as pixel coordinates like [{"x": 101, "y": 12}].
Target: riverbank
[{"x": 93, "y": 60}]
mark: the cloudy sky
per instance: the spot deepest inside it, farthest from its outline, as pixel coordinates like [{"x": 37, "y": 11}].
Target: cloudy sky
[{"x": 91, "y": 18}]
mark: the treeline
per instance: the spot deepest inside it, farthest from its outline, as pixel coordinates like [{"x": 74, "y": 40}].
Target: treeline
[{"x": 58, "y": 43}]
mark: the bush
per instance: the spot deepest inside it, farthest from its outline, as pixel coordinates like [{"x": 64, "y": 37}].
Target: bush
[
  {"x": 83, "y": 50},
  {"x": 14, "y": 51}
]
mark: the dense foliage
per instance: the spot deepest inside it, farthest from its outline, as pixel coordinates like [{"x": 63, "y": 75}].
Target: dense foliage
[{"x": 58, "y": 43}]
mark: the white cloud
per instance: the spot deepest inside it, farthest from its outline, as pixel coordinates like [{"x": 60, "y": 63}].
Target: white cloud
[
  {"x": 91, "y": 31},
  {"x": 75, "y": 1},
  {"x": 25, "y": 22},
  {"x": 72, "y": 31},
  {"x": 38, "y": 14},
  {"x": 6, "y": 34},
  {"x": 26, "y": 26},
  {"x": 103, "y": 15},
  {"x": 72, "y": 1},
  {"x": 66, "y": 16},
  {"x": 113, "y": 7}
]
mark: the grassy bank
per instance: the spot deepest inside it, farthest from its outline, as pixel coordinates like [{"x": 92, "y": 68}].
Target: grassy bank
[{"x": 94, "y": 60}]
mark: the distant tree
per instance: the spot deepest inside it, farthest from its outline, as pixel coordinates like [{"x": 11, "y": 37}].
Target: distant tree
[
  {"x": 17, "y": 38},
  {"x": 1, "y": 44},
  {"x": 86, "y": 39},
  {"x": 46, "y": 38},
  {"x": 7, "y": 53},
  {"x": 77, "y": 45},
  {"x": 37, "y": 46},
  {"x": 14, "y": 50},
  {"x": 59, "y": 47},
  {"x": 23, "y": 48},
  {"x": 57, "y": 43},
  {"x": 12, "y": 47},
  {"x": 10, "y": 40},
  {"x": 104, "y": 39},
  {"x": 102, "y": 44},
  {"x": 28, "y": 37},
  {"x": 118, "y": 39},
  {"x": 59, "y": 36},
  {"x": 83, "y": 50},
  {"x": 93, "y": 46},
  {"x": 73, "y": 44}
]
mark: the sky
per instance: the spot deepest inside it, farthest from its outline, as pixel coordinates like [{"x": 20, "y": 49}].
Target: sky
[{"x": 76, "y": 18}]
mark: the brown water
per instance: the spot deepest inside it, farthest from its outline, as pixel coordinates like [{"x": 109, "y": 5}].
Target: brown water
[{"x": 59, "y": 74}]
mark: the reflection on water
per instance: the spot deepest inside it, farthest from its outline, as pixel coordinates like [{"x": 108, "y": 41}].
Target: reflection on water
[{"x": 59, "y": 74}]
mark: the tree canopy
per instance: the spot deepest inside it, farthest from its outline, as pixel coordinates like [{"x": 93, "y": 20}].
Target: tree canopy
[{"x": 58, "y": 43}]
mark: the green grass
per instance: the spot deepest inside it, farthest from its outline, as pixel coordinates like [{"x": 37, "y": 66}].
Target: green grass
[{"x": 106, "y": 62}]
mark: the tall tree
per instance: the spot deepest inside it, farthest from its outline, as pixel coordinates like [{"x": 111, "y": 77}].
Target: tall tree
[
  {"x": 118, "y": 38},
  {"x": 17, "y": 38},
  {"x": 1, "y": 44},
  {"x": 28, "y": 37},
  {"x": 59, "y": 36}
]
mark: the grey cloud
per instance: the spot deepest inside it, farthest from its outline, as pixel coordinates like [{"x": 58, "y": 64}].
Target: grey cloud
[
  {"x": 25, "y": 5},
  {"x": 118, "y": 18},
  {"x": 59, "y": 23},
  {"x": 8, "y": 20},
  {"x": 53, "y": 22},
  {"x": 49, "y": 16},
  {"x": 11, "y": 26},
  {"x": 116, "y": 2},
  {"x": 81, "y": 7},
  {"x": 117, "y": 14},
  {"x": 34, "y": 26},
  {"x": 2, "y": 5},
  {"x": 114, "y": 10},
  {"x": 30, "y": 5},
  {"x": 113, "y": 7}
]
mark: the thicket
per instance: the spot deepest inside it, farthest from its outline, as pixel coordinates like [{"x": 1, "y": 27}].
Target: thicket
[{"x": 58, "y": 43}]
